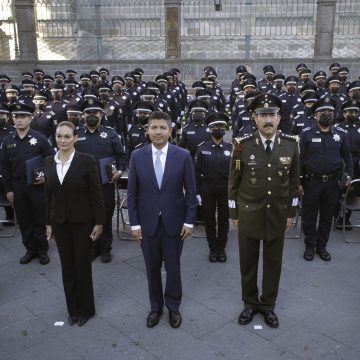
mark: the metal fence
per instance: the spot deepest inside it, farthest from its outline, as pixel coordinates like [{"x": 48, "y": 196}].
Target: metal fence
[
  {"x": 347, "y": 29},
  {"x": 248, "y": 28},
  {"x": 100, "y": 29},
  {"x": 8, "y": 32}
]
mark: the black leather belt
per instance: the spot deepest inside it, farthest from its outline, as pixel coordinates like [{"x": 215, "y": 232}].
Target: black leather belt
[{"x": 323, "y": 178}]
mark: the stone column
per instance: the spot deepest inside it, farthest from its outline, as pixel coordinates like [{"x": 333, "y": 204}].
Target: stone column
[
  {"x": 172, "y": 28},
  {"x": 25, "y": 19},
  {"x": 325, "y": 23}
]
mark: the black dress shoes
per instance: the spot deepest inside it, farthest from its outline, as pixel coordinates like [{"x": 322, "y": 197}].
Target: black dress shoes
[
  {"x": 221, "y": 256},
  {"x": 175, "y": 319},
  {"x": 212, "y": 256},
  {"x": 44, "y": 259},
  {"x": 324, "y": 254},
  {"x": 246, "y": 316},
  {"x": 309, "y": 254},
  {"x": 82, "y": 321},
  {"x": 72, "y": 320},
  {"x": 153, "y": 318},
  {"x": 106, "y": 257},
  {"x": 27, "y": 258},
  {"x": 271, "y": 319}
]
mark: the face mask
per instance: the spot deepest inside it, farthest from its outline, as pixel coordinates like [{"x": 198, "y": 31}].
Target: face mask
[
  {"x": 59, "y": 81},
  {"x": 291, "y": 89},
  {"x": 356, "y": 95},
  {"x": 144, "y": 121},
  {"x": 2, "y": 122},
  {"x": 71, "y": 90},
  {"x": 325, "y": 119},
  {"x": 27, "y": 92},
  {"x": 56, "y": 96},
  {"x": 104, "y": 97},
  {"x": 218, "y": 133},
  {"x": 39, "y": 106},
  {"x": 278, "y": 86},
  {"x": 198, "y": 118},
  {"x": 162, "y": 86},
  {"x": 75, "y": 121},
  {"x": 334, "y": 90},
  {"x": 11, "y": 99},
  {"x": 351, "y": 118},
  {"x": 268, "y": 77},
  {"x": 92, "y": 121},
  {"x": 320, "y": 82}
]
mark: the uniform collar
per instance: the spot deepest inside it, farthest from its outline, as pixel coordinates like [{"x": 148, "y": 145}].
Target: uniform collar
[{"x": 221, "y": 144}]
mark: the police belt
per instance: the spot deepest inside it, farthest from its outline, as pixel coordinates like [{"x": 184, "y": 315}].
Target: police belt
[{"x": 323, "y": 178}]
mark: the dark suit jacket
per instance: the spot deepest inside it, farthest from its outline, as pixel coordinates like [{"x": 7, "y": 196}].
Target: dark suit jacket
[
  {"x": 176, "y": 199},
  {"x": 79, "y": 198}
]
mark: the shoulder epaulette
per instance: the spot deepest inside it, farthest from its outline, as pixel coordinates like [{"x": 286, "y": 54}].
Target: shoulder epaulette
[
  {"x": 289, "y": 137},
  {"x": 138, "y": 145},
  {"x": 108, "y": 127},
  {"x": 242, "y": 139},
  {"x": 185, "y": 126},
  {"x": 201, "y": 143},
  {"x": 307, "y": 128},
  {"x": 340, "y": 129}
]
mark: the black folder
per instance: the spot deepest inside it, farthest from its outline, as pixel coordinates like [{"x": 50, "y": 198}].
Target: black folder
[{"x": 35, "y": 163}]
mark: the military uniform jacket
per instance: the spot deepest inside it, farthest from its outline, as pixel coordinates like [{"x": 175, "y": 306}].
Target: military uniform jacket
[{"x": 262, "y": 188}]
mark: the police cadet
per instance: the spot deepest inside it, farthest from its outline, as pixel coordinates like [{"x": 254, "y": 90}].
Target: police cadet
[
  {"x": 333, "y": 85},
  {"x": 263, "y": 189},
  {"x": 27, "y": 92},
  {"x": 73, "y": 113},
  {"x": 236, "y": 85},
  {"x": 212, "y": 163},
  {"x": 102, "y": 142},
  {"x": 84, "y": 83},
  {"x": 11, "y": 94},
  {"x": 137, "y": 132},
  {"x": 70, "y": 95},
  {"x": 323, "y": 150},
  {"x": 48, "y": 83},
  {"x": 351, "y": 124},
  {"x": 319, "y": 79},
  {"x": 94, "y": 78},
  {"x": 299, "y": 68},
  {"x": 334, "y": 69},
  {"x": 278, "y": 87},
  {"x": 304, "y": 78},
  {"x": 39, "y": 75},
  {"x": 57, "y": 106},
  {"x": 344, "y": 83},
  {"x": 5, "y": 130},
  {"x": 196, "y": 131},
  {"x": 104, "y": 74},
  {"x": 71, "y": 76},
  {"x": 27, "y": 197},
  {"x": 266, "y": 85},
  {"x": 353, "y": 90},
  {"x": 305, "y": 118},
  {"x": 59, "y": 78},
  {"x": 4, "y": 83}
]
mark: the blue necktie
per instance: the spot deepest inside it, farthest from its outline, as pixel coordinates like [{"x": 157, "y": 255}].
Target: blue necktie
[{"x": 158, "y": 168}]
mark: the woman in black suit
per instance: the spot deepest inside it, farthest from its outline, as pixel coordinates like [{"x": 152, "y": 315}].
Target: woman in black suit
[{"x": 75, "y": 215}]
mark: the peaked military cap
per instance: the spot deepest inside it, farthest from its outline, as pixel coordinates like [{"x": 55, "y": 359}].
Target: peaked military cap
[
  {"x": 208, "y": 80},
  {"x": 305, "y": 72},
  {"x": 265, "y": 104},
  {"x": 201, "y": 93},
  {"x": 104, "y": 70},
  {"x": 94, "y": 73},
  {"x": 4, "y": 109},
  {"x": 325, "y": 103},
  {"x": 48, "y": 78},
  {"x": 211, "y": 73},
  {"x": 59, "y": 73},
  {"x": 300, "y": 67},
  {"x": 21, "y": 109},
  {"x": 175, "y": 70},
  {"x": 104, "y": 86},
  {"x": 148, "y": 92},
  {"x": 90, "y": 93},
  {"x": 319, "y": 74},
  {"x": 70, "y": 71},
  {"x": 140, "y": 71},
  {"x": 41, "y": 94},
  {"x": 198, "y": 105},
  {"x": 292, "y": 79},
  {"x": 39, "y": 71},
  {"x": 279, "y": 77},
  {"x": 28, "y": 82},
  {"x": 85, "y": 76},
  {"x": 144, "y": 106},
  {"x": 12, "y": 88},
  {"x": 27, "y": 74},
  {"x": 343, "y": 70},
  {"x": 248, "y": 76},
  {"x": 251, "y": 95},
  {"x": 310, "y": 97},
  {"x": 4, "y": 77},
  {"x": 216, "y": 118},
  {"x": 207, "y": 68},
  {"x": 70, "y": 82},
  {"x": 333, "y": 79},
  {"x": 350, "y": 105},
  {"x": 57, "y": 87},
  {"x": 152, "y": 85},
  {"x": 308, "y": 88},
  {"x": 161, "y": 78},
  {"x": 129, "y": 76},
  {"x": 136, "y": 73},
  {"x": 268, "y": 69},
  {"x": 118, "y": 79},
  {"x": 198, "y": 84},
  {"x": 248, "y": 83},
  {"x": 355, "y": 85},
  {"x": 241, "y": 69},
  {"x": 168, "y": 74},
  {"x": 73, "y": 109},
  {"x": 91, "y": 105},
  {"x": 334, "y": 66}
]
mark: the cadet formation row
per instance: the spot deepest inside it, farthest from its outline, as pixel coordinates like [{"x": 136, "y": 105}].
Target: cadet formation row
[{"x": 111, "y": 121}]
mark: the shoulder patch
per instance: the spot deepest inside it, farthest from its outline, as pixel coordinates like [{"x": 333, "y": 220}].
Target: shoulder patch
[
  {"x": 201, "y": 143},
  {"x": 289, "y": 137},
  {"x": 341, "y": 129},
  {"x": 307, "y": 128}
]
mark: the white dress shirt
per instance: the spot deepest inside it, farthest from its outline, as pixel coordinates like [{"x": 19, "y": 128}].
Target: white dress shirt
[
  {"x": 264, "y": 139},
  {"x": 62, "y": 167}
]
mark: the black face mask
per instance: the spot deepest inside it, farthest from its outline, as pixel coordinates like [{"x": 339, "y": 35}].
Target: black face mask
[
  {"x": 198, "y": 118},
  {"x": 71, "y": 90},
  {"x": 278, "y": 86},
  {"x": 27, "y": 92},
  {"x": 334, "y": 90},
  {"x": 320, "y": 82},
  {"x": 92, "y": 121},
  {"x": 218, "y": 133},
  {"x": 291, "y": 90},
  {"x": 144, "y": 121},
  {"x": 12, "y": 99},
  {"x": 325, "y": 119},
  {"x": 351, "y": 118},
  {"x": 356, "y": 95},
  {"x": 56, "y": 96},
  {"x": 40, "y": 106},
  {"x": 268, "y": 77},
  {"x": 104, "y": 97},
  {"x": 2, "y": 122}
]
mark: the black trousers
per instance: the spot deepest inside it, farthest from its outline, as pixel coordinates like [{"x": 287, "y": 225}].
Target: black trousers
[
  {"x": 155, "y": 249},
  {"x": 29, "y": 205},
  {"x": 249, "y": 250},
  {"x": 104, "y": 243},
  {"x": 74, "y": 245},
  {"x": 320, "y": 198},
  {"x": 215, "y": 198}
]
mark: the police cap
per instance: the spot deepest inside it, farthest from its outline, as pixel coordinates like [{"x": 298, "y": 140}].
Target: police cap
[
  {"x": 140, "y": 71},
  {"x": 265, "y": 104},
  {"x": 308, "y": 88},
  {"x": 39, "y": 71},
  {"x": 117, "y": 79},
  {"x": 104, "y": 86},
  {"x": 268, "y": 69},
  {"x": 48, "y": 78},
  {"x": 59, "y": 73},
  {"x": 332, "y": 80},
  {"x": 148, "y": 92},
  {"x": 319, "y": 74},
  {"x": 70, "y": 71},
  {"x": 41, "y": 95},
  {"x": 241, "y": 69},
  {"x": 73, "y": 109},
  {"x": 144, "y": 106},
  {"x": 168, "y": 75},
  {"x": 21, "y": 109},
  {"x": 211, "y": 73},
  {"x": 27, "y": 74},
  {"x": 343, "y": 70},
  {"x": 310, "y": 97},
  {"x": 4, "y": 109},
  {"x": 198, "y": 85},
  {"x": 129, "y": 76},
  {"x": 251, "y": 96},
  {"x": 57, "y": 87},
  {"x": 85, "y": 76},
  {"x": 89, "y": 105},
  {"x": 216, "y": 118},
  {"x": 208, "y": 80},
  {"x": 11, "y": 88},
  {"x": 94, "y": 73},
  {"x": 70, "y": 82},
  {"x": 4, "y": 77},
  {"x": 90, "y": 93},
  {"x": 305, "y": 72},
  {"x": 334, "y": 66},
  {"x": 248, "y": 83},
  {"x": 28, "y": 82},
  {"x": 203, "y": 93},
  {"x": 350, "y": 105},
  {"x": 247, "y": 75},
  {"x": 355, "y": 85},
  {"x": 104, "y": 70},
  {"x": 325, "y": 103},
  {"x": 301, "y": 66},
  {"x": 161, "y": 78},
  {"x": 279, "y": 77},
  {"x": 198, "y": 105},
  {"x": 292, "y": 79}
]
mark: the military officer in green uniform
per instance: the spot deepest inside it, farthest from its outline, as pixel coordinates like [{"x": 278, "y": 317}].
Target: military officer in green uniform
[{"x": 263, "y": 189}]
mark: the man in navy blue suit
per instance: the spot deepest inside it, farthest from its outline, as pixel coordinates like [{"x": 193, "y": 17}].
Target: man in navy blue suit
[{"x": 162, "y": 211}]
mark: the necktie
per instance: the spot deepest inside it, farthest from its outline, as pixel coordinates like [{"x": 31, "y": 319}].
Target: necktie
[
  {"x": 268, "y": 147},
  {"x": 158, "y": 168}
]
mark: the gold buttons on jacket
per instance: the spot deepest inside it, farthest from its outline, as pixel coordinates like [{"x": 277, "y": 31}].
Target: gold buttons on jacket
[
  {"x": 269, "y": 192},
  {"x": 269, "y": 178},
  {"x": 268, "y": 205}
]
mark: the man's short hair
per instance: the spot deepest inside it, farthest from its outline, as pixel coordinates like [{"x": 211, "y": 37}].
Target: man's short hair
[{"x": 160, "y": 115}]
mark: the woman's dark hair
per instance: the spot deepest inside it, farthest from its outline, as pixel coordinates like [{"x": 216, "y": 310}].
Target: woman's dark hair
[
  {"x": 159, "y": 115},
  {"x": 69, "y": 124}
]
